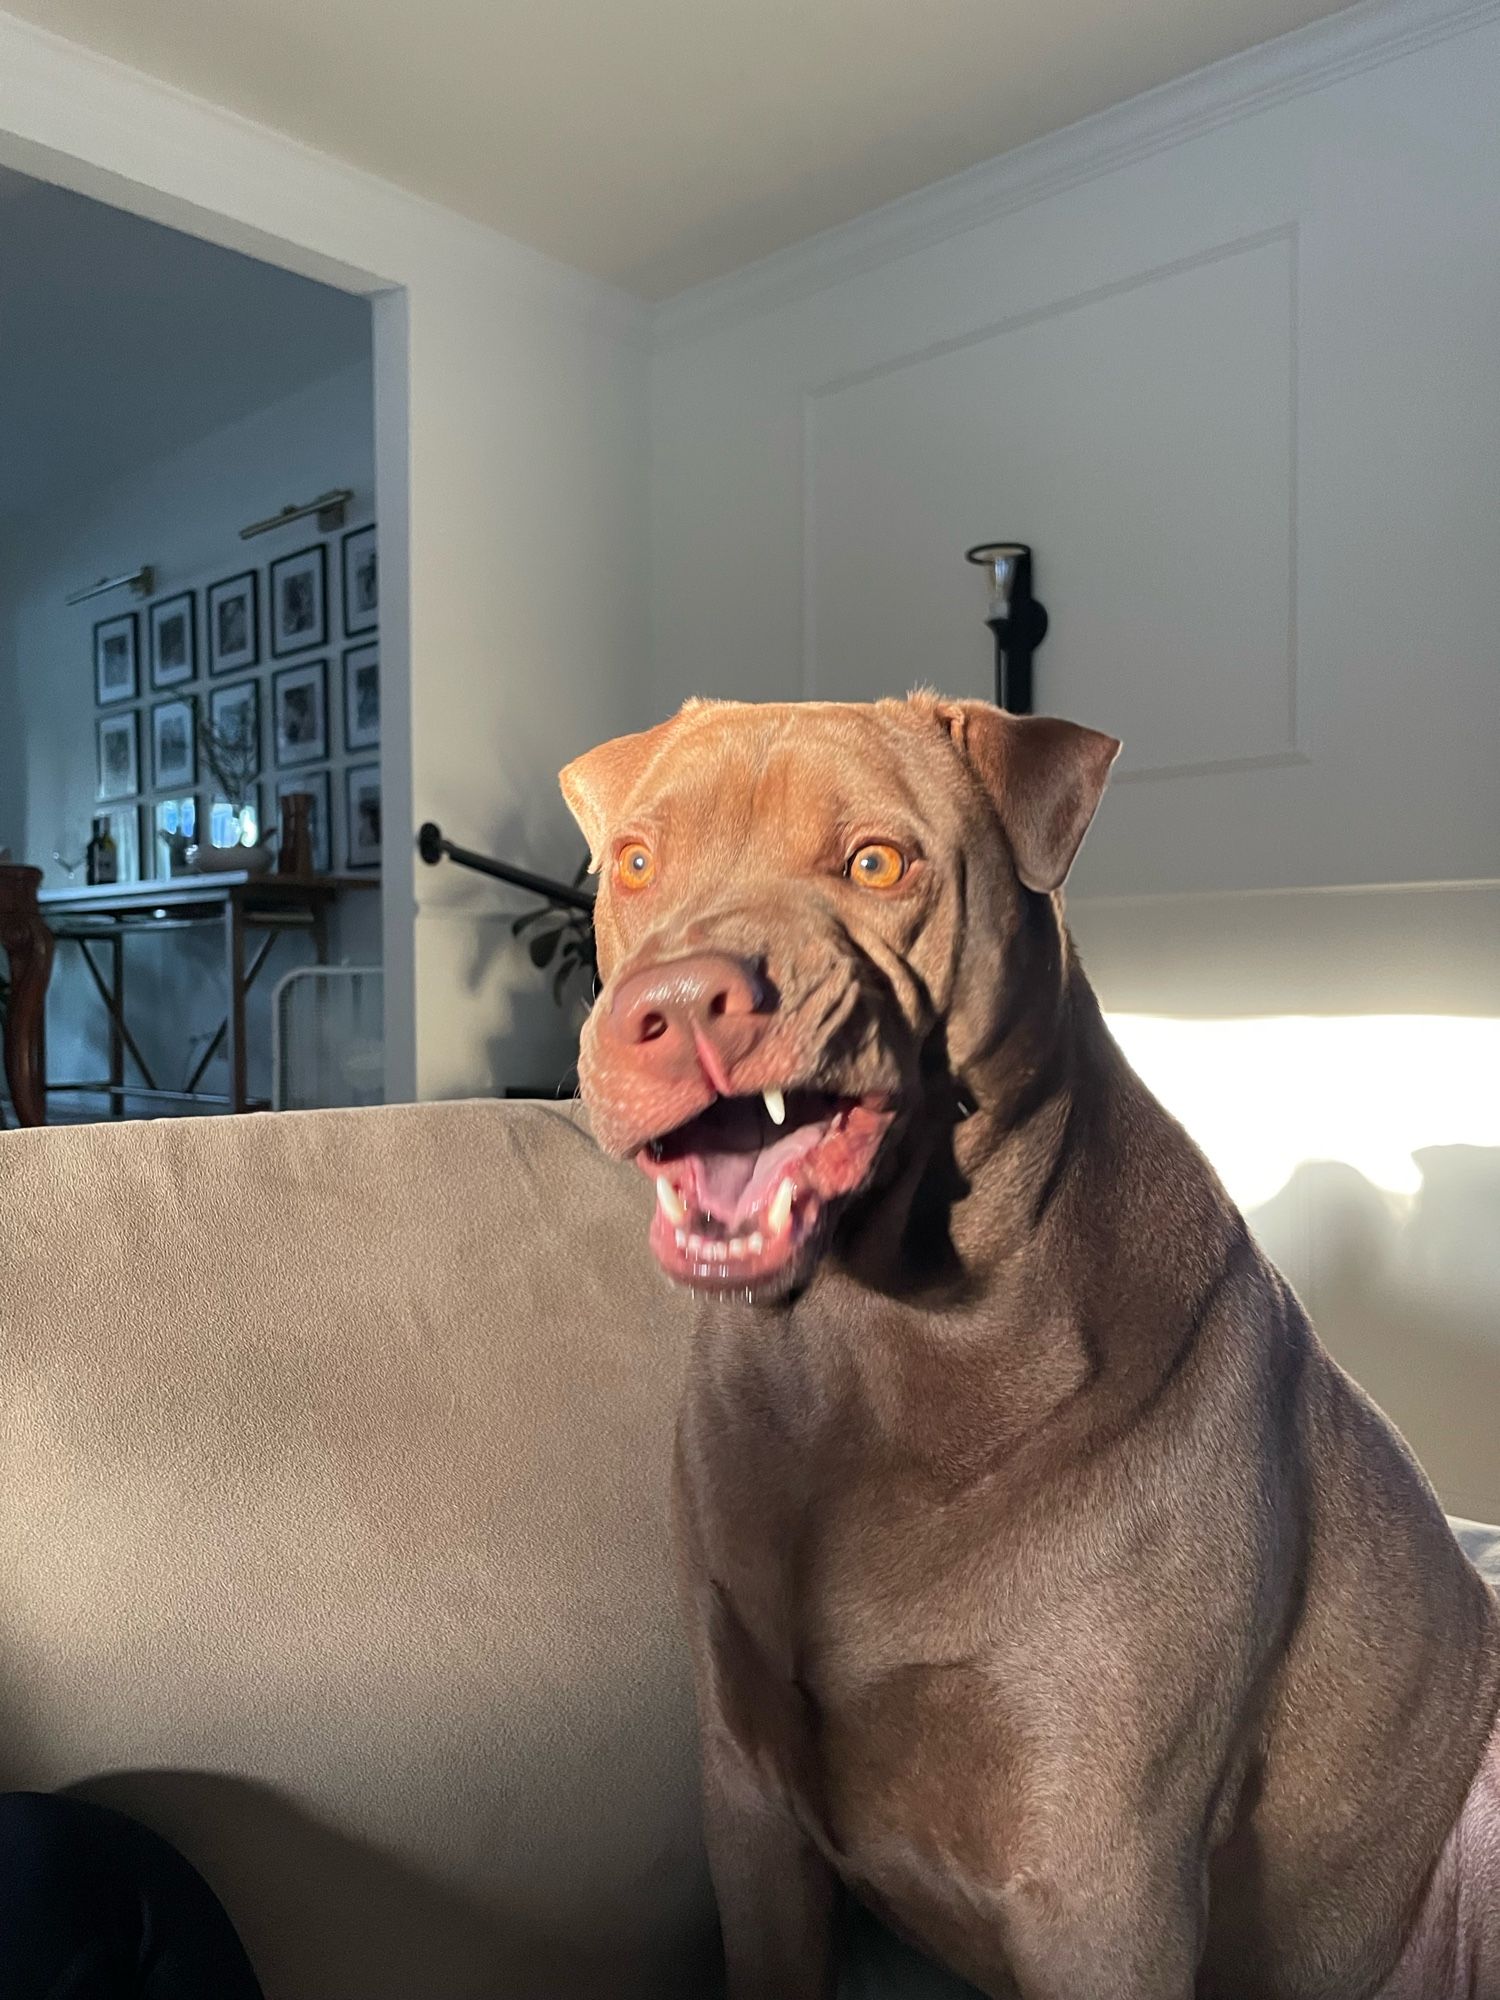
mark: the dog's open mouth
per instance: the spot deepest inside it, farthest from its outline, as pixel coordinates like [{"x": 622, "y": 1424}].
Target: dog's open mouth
[{"x": 745, "y": 1190}]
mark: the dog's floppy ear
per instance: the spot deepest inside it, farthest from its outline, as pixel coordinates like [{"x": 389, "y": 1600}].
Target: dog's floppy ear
[
  {"x": 1045, "y": 778},
  {"x": 597, "y": 784}
]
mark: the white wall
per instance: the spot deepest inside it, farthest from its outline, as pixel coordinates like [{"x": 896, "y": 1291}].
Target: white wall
[
  {"x": 510, "y": 440},
  {"x": 1226, "y": 357},
  {"x": 1337, "y": 1055},
  {"x": 182, "y": 513},
  {"x": 1240, "y": 394}
]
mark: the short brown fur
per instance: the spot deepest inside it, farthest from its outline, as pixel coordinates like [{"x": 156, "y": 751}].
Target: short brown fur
[{"x": 1048, "y": 1585}]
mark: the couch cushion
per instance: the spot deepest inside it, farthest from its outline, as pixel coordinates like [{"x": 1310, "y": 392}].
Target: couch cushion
[{"x": 334, "y": 1539}]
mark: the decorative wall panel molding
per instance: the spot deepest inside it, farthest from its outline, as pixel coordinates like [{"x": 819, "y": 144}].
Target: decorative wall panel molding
[{"x": 1143, "y": 438}]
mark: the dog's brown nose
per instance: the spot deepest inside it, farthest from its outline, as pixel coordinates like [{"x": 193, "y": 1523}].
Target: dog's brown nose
[{"x": 706, "y": 1012}]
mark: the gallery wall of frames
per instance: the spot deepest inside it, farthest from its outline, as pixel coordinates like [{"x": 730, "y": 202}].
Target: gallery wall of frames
[{"x": 214, "y": 702}]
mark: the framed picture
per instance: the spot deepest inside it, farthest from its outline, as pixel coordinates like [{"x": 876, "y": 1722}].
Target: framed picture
[
  {"x": 174, "y": 641},
  {"x": 315, "y": 784},
  {"x": 117, "y": 673},
  {"x": 361, "y": 582},
  {"x": 363, "y": 785},
  {"x": 234, "y": 714},
  {"x": 125, "y": 830},
  {"x": 174, "y": 745},
  {"x": 299, "y": 713},
  {"x": 234, "y": 624},
  {"x": 361, "y": 697},
  {"x": 174, "y": 828},
  {"x": 299, "y": 601},
  {"x": 119, "y": 756}
]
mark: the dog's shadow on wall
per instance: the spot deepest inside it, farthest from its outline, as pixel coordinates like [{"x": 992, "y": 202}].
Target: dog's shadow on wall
[
  {"x": 1406, "y": 1295},
  {"x": 327, "y": 1916}
]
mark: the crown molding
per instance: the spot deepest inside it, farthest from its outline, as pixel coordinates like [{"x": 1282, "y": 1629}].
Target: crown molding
[{"x": 1324, "y": 52}]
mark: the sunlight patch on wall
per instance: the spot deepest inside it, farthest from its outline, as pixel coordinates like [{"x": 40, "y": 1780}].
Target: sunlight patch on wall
[{"x": 1261, "y": 1096}]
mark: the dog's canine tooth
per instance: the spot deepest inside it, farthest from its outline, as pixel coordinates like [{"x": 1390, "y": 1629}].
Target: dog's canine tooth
[
  {"x": 671, "y": 1201},
  {"x": 780, "y": 1212},
  {"x": 776, "y": 1105}
]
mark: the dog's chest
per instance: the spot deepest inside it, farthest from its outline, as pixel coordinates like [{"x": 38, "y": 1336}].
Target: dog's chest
[{"x": 845, "y": 1634}]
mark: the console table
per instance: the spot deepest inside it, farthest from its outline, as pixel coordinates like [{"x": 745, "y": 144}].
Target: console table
[
  {"x": 239, "y": 904},
  {"x": 27, "y": 944}
]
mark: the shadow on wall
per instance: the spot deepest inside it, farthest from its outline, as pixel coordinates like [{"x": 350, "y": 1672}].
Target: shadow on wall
[
  {"x": 1405, "y": 1292},
  {"x": 1365, "y": 1151},
  {"x": 532, "y": 1042},
  {"x": 323, "y": 1912}
]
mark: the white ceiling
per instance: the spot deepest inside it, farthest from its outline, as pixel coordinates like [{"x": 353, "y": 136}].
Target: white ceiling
[
  {"x": 660, "y": 142},
  {"x": 122, "y": 342}
]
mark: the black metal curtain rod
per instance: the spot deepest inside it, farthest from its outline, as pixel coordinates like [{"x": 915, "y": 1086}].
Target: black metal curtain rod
[{"x": 433, "y": 848}]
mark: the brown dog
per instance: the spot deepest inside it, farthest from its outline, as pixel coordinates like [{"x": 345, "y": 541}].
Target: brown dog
[{"x": 1047, "y": 1582}]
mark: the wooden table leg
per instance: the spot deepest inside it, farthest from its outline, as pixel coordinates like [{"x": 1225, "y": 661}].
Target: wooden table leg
[
  {"x": 234, "y": 1039},
  {"x": 116, "y": 1036},
  {"x": 27, "y": 944}
]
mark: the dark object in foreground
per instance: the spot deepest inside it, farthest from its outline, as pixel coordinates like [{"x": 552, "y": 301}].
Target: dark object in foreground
[{"x": 95, "y": 1905}]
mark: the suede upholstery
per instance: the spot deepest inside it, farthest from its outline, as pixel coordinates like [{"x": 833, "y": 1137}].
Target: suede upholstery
[{"x": 334, "y": 1539}]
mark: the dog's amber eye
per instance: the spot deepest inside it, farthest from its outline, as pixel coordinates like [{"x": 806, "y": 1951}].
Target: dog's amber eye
[
  {"x": 877, "y": 866},
  {"x": 635, "y": 865}
]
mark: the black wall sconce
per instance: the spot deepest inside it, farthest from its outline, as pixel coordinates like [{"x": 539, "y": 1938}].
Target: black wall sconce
[{"x": 1018, "y": 622}]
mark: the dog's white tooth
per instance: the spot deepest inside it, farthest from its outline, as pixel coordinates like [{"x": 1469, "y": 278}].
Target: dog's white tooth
[
  {"x": 776, "y": 1105},
  {"x": 670, "y": 1200},
  {"x": 736, "y": 1246},
  {"x": 682, "y": 1239},
  {"x": 757, "y": 1243},
  {"x": 780, "y": 1212}
]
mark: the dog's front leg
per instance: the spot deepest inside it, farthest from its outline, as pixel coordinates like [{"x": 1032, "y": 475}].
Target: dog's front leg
[
  {"x": 1111, "y": 1925},
  {"x": 775, "y": 1892}
]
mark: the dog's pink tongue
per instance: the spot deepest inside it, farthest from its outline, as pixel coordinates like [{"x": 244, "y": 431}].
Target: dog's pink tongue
[
  {"x": 735, "y": 1186},
  {"x": 723, "y": 1181}
]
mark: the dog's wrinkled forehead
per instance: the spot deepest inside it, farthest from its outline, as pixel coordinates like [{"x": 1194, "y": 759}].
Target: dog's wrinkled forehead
[
  {"x": 759, "y": 787},
  {"x": 778, "y": 783}
]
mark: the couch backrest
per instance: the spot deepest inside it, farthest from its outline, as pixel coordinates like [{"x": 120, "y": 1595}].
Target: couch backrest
[{"x": 334, "y": 1539}]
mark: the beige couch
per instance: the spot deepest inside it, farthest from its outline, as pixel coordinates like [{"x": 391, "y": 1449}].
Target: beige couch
[{"x": 334, "y": 1543}]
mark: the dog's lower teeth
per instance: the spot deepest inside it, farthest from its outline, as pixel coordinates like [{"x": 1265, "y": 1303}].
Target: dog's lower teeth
[{"x": 757, "y": 1243}]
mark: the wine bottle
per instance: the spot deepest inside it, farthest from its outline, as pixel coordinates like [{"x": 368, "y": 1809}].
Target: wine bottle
[{"x": 103, "y": 854}]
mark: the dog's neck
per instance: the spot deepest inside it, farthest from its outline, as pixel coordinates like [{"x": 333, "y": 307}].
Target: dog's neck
[
  {"x": 995, "y": 1279},
  {"x": 990, "y": 1140}
]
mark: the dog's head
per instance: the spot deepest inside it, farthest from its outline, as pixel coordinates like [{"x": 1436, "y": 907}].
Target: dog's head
[{"x": 805, "y": 917}]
